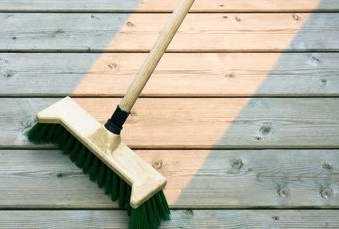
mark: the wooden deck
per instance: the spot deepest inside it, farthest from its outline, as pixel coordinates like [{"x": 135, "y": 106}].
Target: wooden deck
[{"x": 241, "y": 115}]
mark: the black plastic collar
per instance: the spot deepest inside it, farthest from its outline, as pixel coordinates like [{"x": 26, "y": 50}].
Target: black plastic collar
[{"x": 115, "y": 123}]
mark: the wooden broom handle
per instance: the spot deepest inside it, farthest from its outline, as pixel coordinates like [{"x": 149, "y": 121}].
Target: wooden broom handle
[{"x": 155, "y": 55}]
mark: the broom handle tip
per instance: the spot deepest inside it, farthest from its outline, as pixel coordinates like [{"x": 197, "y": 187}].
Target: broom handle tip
[{"x": 155, "y": 54}]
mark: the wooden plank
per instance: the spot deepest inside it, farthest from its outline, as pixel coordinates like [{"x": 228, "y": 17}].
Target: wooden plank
[
  {"x": 198, "y": 122},
  {"x": 168, "y": 5},
  {"x": 178, "y": 74},
  {"x": 199, "y": 32},
  {"x": 246, "y": 219},
  {"x": 47, "y": 179}
]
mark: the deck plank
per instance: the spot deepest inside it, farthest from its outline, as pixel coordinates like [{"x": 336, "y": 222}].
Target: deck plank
[
  {"x": 246, "y": 219},
  {"x": 196, "y": 179},
  {"x": 198, "y": 33},
  {"x": 196, "y": 74},
  {"x": 168, "y": 5},
  {"x": 221, "y": 122}
]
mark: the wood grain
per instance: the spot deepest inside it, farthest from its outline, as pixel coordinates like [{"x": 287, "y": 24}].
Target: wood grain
[
  {"x": 213, "y": 32},
  {"x": 178, "y": 74},
  {"x": 168, "y": 5},
  {"x": 214, "y": 179},
  {"x": 246, "y": 219},
  {"x": 203, "y": 122}
]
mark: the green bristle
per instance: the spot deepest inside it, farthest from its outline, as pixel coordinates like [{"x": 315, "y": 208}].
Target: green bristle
[
  {"x": 153, "y": 208},
  {"x": 102, "y": 175},
  {"x": 88, "y": 162},
  {"x": 63, "y": 138},
  {"x": 138, "y": 218},
  {"x": 108, "y": 183},
  {"x": 68, "y": 145},
  {"x": 115, "y": 187},
  {"x": 147, "y": 216},
  {"x": 75, "y": 152},
  {"x": 49, "y": 131},
  {"x": 58, "y": 131},
  {"x": 32, "y": 133},
  {"x": 152, "y": 220},
  {"x": 81, "y": 157},
  {"x": 36, "y": 133},
  {"x": 93, "y": 171},
  {"x": 162, "y": 205},
  {"x": 42, "y": 133},
  {"x": 122, "y": 193},
  {"x": 128, "y": 194}
]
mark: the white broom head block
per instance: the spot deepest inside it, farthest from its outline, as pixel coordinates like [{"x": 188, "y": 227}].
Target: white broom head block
[{"x": 144, "y": 180}]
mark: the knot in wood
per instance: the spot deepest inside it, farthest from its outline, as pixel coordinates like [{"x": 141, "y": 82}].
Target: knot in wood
[
  {"x": 326, "y": 192},
  {"x": 189, "y": 212},
  {"x": 229, "y": 75},
  {"x": 296, "y": 17},
  {"x": 265, "y": 129},
  {"x": 283, "y": 191},
  {"x": 237, "y": 164},
  {"x": 275, "y": 218},
  {"x": 129, "y": 24},
  {"x": 157, "y": 164},
  {"x": 9, "y": 74},
  {"x": 327, "y": 166},
  {"x": 112, "y": 65}
]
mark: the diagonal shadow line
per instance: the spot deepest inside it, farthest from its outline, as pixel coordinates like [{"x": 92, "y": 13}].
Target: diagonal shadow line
[{"x": 253, "y": 126}]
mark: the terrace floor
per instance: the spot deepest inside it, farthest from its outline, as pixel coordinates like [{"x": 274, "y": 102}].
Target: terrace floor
[{"x": 241, "y": 115}]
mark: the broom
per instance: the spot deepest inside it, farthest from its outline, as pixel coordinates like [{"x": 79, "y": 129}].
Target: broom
[{"x": 98, "y": 149}]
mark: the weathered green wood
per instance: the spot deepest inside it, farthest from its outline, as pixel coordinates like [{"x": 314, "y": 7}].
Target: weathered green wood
[
  {"x": 221, "y": 122},
  {"x": 210, "y": 32},
  {"x": 226, "y": 179},
  {"x": 204, "y": 219},
  {"x": 167, "y": 5},
  {"x": 58, "y": 31},
  {"x": 204, "y": 74}
]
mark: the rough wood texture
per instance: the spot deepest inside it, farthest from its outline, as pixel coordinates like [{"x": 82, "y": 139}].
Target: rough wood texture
[
  {"x": 222, "y": 122},
  {"x": 196, "y": 179},
  {"x": 168, "y": 5},
  {"x": 199, "y": 32},
  {"x": 197, "y": 219},
  {"x": 196, "y": 74}
]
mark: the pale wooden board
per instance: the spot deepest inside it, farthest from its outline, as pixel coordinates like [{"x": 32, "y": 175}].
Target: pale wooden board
[
  {"x": 198, "y": 122},
  {"x": 58, "y": 30},
  {"x": 196, "y": 219},
  {"x": 168, "y": 5},
  {"x": 178, "y": 74},
  {"x": 199, "y": 32},
  {"x": 47, "y": 179}
]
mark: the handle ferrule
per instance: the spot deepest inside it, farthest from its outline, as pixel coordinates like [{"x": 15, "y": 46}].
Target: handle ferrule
[{"x": 115, "y": 123}]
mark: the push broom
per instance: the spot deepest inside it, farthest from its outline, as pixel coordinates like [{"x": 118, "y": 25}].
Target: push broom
[{"x": 98, "y": 149}]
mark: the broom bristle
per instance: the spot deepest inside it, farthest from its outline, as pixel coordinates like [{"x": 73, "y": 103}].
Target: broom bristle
[{"x": 147, "y": 216}]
